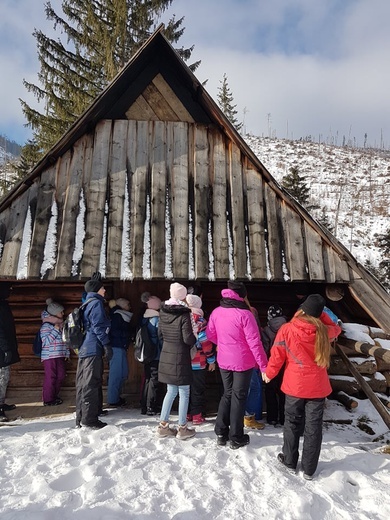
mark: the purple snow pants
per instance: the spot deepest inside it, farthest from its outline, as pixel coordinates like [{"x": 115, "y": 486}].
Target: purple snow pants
[{"x": 54, "y": 377}]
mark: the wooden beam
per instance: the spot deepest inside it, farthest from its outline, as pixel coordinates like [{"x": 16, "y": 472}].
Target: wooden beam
[{"x": 380, "y": 408}]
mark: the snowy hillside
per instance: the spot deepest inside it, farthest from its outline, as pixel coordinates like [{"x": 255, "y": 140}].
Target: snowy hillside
[{"x": 351, "y": 186}]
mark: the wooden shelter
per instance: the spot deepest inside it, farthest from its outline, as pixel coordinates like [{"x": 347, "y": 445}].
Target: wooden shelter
[{"x": 153, "y": 184}]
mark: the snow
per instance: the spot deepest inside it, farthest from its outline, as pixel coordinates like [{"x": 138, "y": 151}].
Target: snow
[{"x": 52, "y": 471}]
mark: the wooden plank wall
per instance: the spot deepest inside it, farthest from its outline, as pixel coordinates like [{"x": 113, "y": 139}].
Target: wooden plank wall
[
  {"x": 181, "y": 183},
  {"x": 28, "y": 299}
]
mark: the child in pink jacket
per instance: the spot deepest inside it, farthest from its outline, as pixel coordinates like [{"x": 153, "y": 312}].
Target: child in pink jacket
[
  {"x": 233, "y": 328},
  {"x": 203, "y": 359}
]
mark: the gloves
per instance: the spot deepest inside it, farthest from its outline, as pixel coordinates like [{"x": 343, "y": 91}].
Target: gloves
[
  {"x": 108, "y": 352},
  {"x": 7, "y": 357}
]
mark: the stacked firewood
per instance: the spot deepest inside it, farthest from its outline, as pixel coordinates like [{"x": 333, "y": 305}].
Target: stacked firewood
[{"x": 368, "y": 350}]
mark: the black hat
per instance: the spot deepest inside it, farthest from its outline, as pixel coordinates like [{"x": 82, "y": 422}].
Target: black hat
[
  {"x": 274, "y": 311},
  {"x": 95, "y": 283},
  {"x": 237, "y": 287},
  {"x": 313, "y": 305}
]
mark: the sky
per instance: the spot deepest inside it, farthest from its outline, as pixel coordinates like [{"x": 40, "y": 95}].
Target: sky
[{"x": 295, "y": 67}]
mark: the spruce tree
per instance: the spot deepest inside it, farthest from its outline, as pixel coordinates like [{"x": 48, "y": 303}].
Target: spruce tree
[
  {"x": 100, "y": 37},
  {"x": 225, "y": 101},
  {"x": 324, "y": 221},
  {"x": 383, "y": 241},
  {"x": 296, "y": 185}
]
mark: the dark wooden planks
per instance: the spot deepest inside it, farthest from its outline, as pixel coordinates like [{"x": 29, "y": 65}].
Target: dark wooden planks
[
  {"x": 220, "y": 242},
  {"x": 138, "y": 157},
  {"x": 157, "y": 199},
  {"x": 274, "y": 242},
  {"x": 237, "y": 212},
  {"x": 293, "y": 239},
  {"x": 117, "y": 194},
  {"x": 201, "y": 197},
  {"x": 255, "y": 204},
  {"x": 41, "y": 220},
  {"x": 67, "y": 236},
  {"x": 179, "y": 200},
  {"x": 94, "y": 254},
  {"x": 314, "y": 254}
]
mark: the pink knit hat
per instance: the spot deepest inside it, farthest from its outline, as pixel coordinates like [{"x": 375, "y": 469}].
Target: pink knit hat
[
  {"x": 153, "y": 302},
  {"x": 178, "y": 291},
  {"x": 194, "y": 301}
]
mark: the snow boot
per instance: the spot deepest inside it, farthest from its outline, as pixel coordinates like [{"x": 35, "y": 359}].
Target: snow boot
[
  {"x": 185, "y": 432},
  {"x": 8, "y": 407},
  {"x": 282, "y": 460},
  {"x": 250, "y": 422},
  {"x": 3, "y": 417},
  {"x": 198, "y": 419},
  {"x": 163, "y": 430},
  {"x": 234, "y": 445}
]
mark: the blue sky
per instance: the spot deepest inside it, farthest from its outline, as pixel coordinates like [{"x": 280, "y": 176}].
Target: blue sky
[{"x": 295, "y": 67}]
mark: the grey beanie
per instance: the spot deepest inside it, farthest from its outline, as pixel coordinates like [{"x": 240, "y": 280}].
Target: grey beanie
[
  {"x": 53, "y": 307},
  {"x": 95, "y": 283}
]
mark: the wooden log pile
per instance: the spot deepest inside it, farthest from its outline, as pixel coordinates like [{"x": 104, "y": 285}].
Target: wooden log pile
[{"x": 368, "y": 350}]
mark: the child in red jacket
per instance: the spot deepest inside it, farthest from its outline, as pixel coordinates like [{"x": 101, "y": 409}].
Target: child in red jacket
[
  {"x": 303, "y": 346},
  {"x": 203, "y": 358}
]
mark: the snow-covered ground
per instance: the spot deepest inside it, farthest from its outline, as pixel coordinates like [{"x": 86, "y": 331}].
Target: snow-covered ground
[{"x": 50, "y": 471}]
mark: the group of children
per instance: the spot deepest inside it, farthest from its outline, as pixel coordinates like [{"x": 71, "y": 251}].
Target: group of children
[{"x": 203, "y": 358}]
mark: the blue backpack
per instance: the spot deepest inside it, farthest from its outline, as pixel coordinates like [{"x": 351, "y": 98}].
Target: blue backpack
[{"x": 37, "y": 344}]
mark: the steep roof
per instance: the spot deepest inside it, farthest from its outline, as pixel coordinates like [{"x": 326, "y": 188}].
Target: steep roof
[{"x": 153, "y": 182}]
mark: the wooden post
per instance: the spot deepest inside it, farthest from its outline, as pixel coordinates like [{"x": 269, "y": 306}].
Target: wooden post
[{"x": 383, "y": 412}]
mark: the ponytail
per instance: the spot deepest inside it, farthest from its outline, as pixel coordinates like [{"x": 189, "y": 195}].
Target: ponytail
[{"x": 322, "y": 343}]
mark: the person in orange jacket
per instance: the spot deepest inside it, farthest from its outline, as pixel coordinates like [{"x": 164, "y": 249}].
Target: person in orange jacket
[{"x": 303, "y": 346}]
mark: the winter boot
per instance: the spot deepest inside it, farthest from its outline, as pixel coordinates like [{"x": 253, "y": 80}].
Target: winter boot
[
  {"x": 163, "y": 430},
  {"x": 222, "y": 440},
  {"x": 3, "y": 417},
  {"x": 250, "y": 422},
  {"x": 234, "y": 445},
  {"x": 185, "y": 432},
  {"x": 8, "y": 407},
  {"x": 198, "y": 419},
  {"x": 282, "y": 460}
]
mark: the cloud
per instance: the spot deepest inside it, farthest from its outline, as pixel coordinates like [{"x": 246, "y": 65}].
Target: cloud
[{"x": 316, "y": 67}]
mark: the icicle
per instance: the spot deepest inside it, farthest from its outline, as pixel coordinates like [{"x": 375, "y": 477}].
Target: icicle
[
  {"x": 191, "y": 260},
  {"x": 168, "y": 273},
  {"x": 50, "y": 250},
  {"x": 22, "y": 270},
  {"x": 80, "y": 235},
  {"x": 211, "y": 254},
  {"x": 103, "y": 259},
  {"x": 126, "y": 272},
  {"x": 146, "y": 258}
]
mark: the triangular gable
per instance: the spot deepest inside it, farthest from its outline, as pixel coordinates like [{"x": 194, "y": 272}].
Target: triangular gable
[{"x": 154, "y": 182}]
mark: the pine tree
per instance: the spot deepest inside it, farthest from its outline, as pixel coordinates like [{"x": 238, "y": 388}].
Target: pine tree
[
  {"x": 101, "y": 36},
  {"x": 324, "y": 221},
  {"x": 296, "y": 185},
  {"x": 225, "y": 101},
  {"x": 383, "y": 241}
]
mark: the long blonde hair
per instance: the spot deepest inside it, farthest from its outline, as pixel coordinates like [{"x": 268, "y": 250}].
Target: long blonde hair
[{"x": 322, "y": 343}]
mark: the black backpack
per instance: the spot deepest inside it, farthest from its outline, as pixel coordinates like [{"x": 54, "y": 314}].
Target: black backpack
[
  {"x": 145, "y": 351},
  {"x": 73, "y": 333}
]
